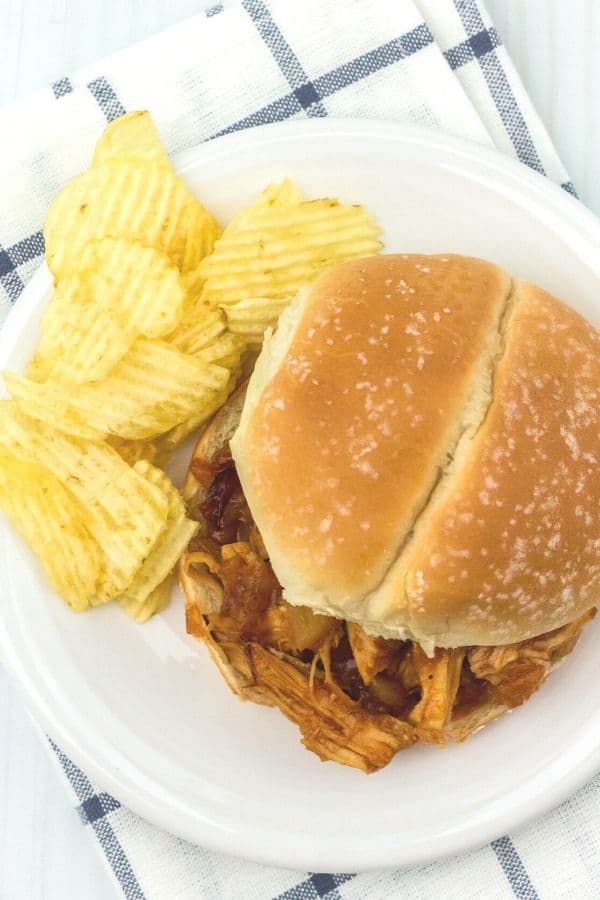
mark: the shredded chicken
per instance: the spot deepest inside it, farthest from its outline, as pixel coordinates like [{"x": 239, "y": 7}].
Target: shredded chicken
[
  {"x": 439, "y": 677},
  {"x": 201, "y": 574},
  {"x": 295, "y": 629},
  {"x": 372, "y": 654},
  {"x": 517, "y": 670},
  {"x": 357, "y": 699},
  {"x": 462, "y": 727},
  {"x": 333, "y": 726}
]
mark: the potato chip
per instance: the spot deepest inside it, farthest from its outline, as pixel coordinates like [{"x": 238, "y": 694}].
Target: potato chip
[
  {"x": 201, "y": 325},
  {"x": 224, "y": 351},
  {"x": 132, "y": 451},
  {"x": 228, "y": 351},
  {"x": 193, "y": 282},
  {"x": 125, "y": 513},
  {"x": 150, "y": 390},
  {"x": 169, "y": 442},
  {"x": 157, "y": 600},
  {"x": 32, "y": 398},
  {"x": 138, "y": 201},
  {"x": 141, "y": 284},
  {"x": 279, "y": 193},
  {"x": 153, "y": 320},
  {"x": 52, "y": 522},
  {"x": 79, "y": 340},
  {"x": 200, "y": 231},
  {"x": 253, "y": 316},
  {"x": 132, "y": 137},
  {"x": 174, "y": 539},
  {"x": 273, "y": 248},
  {"x": 121, "y": 291}
]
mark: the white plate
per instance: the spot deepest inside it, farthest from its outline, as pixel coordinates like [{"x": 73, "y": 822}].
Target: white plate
[{"x": 144, "y": 711}]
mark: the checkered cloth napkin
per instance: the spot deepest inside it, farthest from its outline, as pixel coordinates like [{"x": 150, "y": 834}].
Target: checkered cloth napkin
[{"x": 438, "y": 63}]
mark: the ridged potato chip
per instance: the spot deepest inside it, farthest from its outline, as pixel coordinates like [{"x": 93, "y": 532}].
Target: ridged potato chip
[
  {"x": 121, "y": 290},
  {"x": 200, "y": 231},
  {"x": 125, "y": 513},
  {"x": 193, "y": 282},
  {"x": 223, "y": 351},
  {"x": 203, "y": 332},
  {"x": 121, "y": 199},
  {"x": 168, "y": 443},
  {"x": 132, "y": 451},
  {"x": 201, "y": 325},
  {"x": 132, "y": 137},
  {"x": 253, "y": 316},
  {"x": 229, "y": 351},
  {"x": 279, "y": 193},
  {"x": 79, "y": 340},
  {"x": 150, "y": 390},
  {"x": 52, "y": 522},
  {"x": 153, "y": 321},
  {"x": 174, "y": 539},
  {"x": 142, "y": 284},
  {"x": 39, "y": 402},
  {"x": 273, "y": 248},
  {"x": 157, "y": 600}
]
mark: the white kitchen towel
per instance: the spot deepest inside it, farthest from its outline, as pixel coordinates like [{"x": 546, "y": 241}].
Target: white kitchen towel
[{"x": 438, "y": 63}]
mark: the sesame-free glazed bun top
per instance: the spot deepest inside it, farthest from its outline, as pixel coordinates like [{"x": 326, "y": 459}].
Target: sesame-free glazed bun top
[{"x": 419, "y": 449}]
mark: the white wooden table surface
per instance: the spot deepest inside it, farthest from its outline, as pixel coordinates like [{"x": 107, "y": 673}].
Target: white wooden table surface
[{"x": 45, "y": 854}]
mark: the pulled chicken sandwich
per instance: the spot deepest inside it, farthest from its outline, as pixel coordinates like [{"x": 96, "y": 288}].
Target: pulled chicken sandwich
[{"x": 399, "y": 527}]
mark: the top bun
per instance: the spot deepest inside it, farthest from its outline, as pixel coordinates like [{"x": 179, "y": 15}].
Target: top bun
[{"x": 419, "y": 449}]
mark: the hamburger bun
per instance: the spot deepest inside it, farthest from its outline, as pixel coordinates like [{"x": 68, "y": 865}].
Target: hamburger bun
[
  {"x": 419, "y": 450},
  {"x": 335, "y": 722}
]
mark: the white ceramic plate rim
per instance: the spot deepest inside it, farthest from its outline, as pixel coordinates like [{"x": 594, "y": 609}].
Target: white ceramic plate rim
[{"x": 103, "y": 762}]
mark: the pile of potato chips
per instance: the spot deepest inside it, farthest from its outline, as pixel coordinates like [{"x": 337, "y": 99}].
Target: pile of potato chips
[{"x": 153, "y": 314}]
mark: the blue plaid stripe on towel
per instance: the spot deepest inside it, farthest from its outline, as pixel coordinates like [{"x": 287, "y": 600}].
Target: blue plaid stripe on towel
[{"x": 438, "y": 63}]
